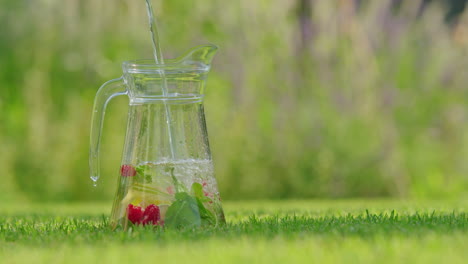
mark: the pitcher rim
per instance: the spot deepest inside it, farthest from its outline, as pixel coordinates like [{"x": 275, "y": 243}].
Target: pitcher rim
[
  {"x": 148, "y": 65},
  {"x": 186, "y": 62}
]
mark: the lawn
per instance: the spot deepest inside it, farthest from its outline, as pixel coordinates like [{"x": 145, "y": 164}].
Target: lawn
[{"x": 257, "y": 232}]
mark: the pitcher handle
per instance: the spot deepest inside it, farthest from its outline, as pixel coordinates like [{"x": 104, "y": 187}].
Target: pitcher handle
[{"x": 107, "y": 91}]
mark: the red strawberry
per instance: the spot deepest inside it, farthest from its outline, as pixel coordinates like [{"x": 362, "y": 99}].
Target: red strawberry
[
  {"x": 135, "y": 214},
  {"x": 127, "y": 171},
  {"x": 151, "y": 215}
]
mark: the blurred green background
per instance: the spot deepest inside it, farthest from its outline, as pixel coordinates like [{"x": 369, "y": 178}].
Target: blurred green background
[{"x": 307, "y": 98}]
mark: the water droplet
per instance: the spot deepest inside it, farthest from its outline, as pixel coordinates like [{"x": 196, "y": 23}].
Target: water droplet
[{"x": 95, "y": 179}]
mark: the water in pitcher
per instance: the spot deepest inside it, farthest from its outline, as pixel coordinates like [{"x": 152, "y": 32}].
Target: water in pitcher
[
  {"x": 179, "y": 193},
  {"x": 156, "y": 189}
]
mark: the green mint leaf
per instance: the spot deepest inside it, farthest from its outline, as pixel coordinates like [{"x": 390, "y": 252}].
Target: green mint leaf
[
  {"x": 197, "y": 190},
  {"x": 184, "y": 212},
  {"x": 179, "y": 187},
  {"x": 142, "y": 176},
  {"x": 206, "y": 215}
]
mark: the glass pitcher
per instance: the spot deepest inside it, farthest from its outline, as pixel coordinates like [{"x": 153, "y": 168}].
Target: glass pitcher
[{"x": 166, "y": 177}]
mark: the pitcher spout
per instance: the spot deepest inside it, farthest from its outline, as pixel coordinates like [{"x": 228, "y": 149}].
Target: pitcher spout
[{"x": 202, "y": 54}]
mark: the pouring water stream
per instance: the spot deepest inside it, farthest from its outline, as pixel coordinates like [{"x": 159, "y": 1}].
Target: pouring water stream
[{"x": 159, "y": 59}]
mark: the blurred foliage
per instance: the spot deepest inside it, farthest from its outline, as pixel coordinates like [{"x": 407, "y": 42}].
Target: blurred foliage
[{"x": 306, "y": 99}]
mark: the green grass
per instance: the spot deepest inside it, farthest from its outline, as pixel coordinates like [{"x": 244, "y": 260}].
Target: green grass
[{"x": 257, "y": 232}]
